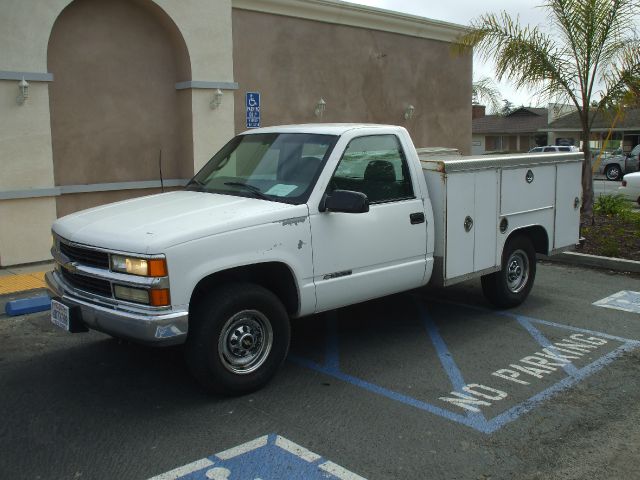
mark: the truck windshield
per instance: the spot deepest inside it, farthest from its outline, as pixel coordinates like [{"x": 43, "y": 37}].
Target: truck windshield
[{"x": 280, "y": 167}]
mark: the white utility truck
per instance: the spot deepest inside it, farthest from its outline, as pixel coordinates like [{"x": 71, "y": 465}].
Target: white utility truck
[{"x": 290, "y": 221}]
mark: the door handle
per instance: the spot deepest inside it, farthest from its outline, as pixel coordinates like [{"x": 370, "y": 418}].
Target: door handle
[{"x": 416, "y": 218}]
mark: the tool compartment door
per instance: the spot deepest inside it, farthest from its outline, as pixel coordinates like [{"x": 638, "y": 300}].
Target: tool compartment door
[{"x": 568, "y": 195}]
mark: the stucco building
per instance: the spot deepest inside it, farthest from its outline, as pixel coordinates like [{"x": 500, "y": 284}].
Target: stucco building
[{"x": 118, "y": 88}]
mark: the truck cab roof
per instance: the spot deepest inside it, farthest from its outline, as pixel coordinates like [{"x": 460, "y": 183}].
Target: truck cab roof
[{"x": 318, "y": 128}]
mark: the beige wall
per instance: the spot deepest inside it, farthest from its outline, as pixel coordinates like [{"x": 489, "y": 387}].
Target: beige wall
[
  {"x": 25, "y": 233},
  {"x": 25, "y": 163},
  {"x": 363, "y": 75},
  {"x": 206, "y": 28}
]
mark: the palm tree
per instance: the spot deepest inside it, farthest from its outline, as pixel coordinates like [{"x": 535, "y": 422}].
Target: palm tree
[
  {"x": 484, "y": 90},
  {"x": 591, "y": 55}
]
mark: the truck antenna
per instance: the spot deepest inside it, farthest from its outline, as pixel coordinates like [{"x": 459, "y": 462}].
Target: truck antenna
[{"x": 160, "y": 166}]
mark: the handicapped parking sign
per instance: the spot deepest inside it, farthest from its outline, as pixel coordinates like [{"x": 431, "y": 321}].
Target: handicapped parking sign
[{"x": 252, "y": 104}]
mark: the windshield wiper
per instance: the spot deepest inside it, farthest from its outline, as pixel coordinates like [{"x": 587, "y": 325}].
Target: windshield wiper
[
  {"x": 258, "y": 193},
  {"x": 196, "y": 182}
]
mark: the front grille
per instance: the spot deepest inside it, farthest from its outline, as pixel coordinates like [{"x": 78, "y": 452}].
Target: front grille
[
  {"x": 88, "y": 284},
  {"x": 85, "y": 256}
]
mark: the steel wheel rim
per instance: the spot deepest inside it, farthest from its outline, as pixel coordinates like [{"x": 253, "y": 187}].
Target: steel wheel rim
[
  {"x": 517, "y": 271},
  {"x": 245, "y": 342},
  {"x": 613, "y": 173}
]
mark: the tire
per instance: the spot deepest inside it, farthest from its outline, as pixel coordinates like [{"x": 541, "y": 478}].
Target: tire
[
  {"x": 613, "y": 172},
  {"x": 510, "y": 286},
  {"x": 238, "y": 338}
]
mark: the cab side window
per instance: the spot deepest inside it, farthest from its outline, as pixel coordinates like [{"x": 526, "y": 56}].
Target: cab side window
[{"x": 376, "y": 166}]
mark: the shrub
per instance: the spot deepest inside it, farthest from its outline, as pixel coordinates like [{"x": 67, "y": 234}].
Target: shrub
[{"x": 611, "y": 205}]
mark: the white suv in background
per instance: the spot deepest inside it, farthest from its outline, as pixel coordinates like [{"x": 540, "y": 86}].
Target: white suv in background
[{"x": 554, "y": 148}]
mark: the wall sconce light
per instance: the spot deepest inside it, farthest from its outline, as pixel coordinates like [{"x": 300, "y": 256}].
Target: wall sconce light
[
  {"x": 408, "y": 113},
  {"x": 216, "y": 100},
  {"x": 320, "y": 107},
  {"x": 23, "y": 88}
]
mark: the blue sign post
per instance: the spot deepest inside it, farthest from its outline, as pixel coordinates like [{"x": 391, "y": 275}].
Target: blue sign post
[{"x": 253, "y": 109}]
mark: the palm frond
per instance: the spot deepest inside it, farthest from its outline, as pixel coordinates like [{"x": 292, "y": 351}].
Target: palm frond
[
  {"x": 525, "y": 55},
  {"x": 485, "y": 91}
]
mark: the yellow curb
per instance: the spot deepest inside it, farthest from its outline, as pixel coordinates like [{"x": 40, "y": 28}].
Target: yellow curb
[{"x": 21, "y": 283}]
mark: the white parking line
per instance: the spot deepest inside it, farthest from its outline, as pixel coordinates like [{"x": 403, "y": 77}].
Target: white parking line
[
  {"x": 338, "y": 471},
  {"x": 184, "y": 470},
  {"x": 244, "y": 448},
  {"x": 296, "y": 449}
]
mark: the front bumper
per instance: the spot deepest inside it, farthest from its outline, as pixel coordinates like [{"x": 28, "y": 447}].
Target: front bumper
[{"x": 166, "y": 327}]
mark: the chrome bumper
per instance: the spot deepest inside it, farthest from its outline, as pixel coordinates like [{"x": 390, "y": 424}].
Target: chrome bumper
[{"x": 159, "y": 328}]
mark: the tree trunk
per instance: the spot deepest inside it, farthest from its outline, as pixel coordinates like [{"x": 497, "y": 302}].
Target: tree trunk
[{"x": 587, "y": 178}]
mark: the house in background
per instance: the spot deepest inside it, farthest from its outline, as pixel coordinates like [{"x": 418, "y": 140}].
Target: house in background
[
  {"x": 518, "y": 131},
  {"x": 566, "y": 130}
]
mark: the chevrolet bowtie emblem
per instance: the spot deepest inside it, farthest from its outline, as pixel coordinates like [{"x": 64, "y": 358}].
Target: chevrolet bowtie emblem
[{"x": 71, "y": 267}]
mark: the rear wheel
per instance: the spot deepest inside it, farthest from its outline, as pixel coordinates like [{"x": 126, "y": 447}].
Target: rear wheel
[
  {"x": 238, "y": 338},
  {"x": 511, "y": 285},
  {"x": 613, "y": 172}
]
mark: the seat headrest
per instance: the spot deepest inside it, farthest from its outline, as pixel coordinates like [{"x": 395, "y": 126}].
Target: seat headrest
[{"x": 380, "y": 171}]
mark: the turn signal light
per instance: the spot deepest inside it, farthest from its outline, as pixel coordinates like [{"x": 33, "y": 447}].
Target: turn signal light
[
  {"x": 157, "y": 267},
  {"x": 159, "y": 297}
]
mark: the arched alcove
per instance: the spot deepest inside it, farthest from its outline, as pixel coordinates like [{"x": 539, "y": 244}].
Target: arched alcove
[{"x": 113, "y": 101}]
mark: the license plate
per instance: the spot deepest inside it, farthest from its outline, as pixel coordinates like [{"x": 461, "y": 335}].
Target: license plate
[{"x": 60, "y": 315}]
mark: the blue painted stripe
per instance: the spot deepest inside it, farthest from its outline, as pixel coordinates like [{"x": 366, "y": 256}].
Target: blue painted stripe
[
  {"x": 446, "y": 359},
  {"x": 449, "y": 365},
  {"x": 574, "y": 329},
  {"x": 507, "y": 313},
  {"x": 332, "y": 353},
  {"x": 28, "y": 305},
  {"x": 570, "y": 368},
  {"x": 478, "y": 424}
]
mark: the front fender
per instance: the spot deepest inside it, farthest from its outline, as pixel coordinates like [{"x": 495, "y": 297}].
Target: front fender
[{"x": 286, "y": 241}]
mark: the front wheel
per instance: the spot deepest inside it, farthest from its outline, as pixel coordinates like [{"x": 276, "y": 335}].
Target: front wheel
[
  {"x": 511, "y": 285},
  {"x": 238, "y": 338}
]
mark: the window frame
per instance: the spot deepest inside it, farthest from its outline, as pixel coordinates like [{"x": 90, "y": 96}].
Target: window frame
[{"x": 405, "y": 168}]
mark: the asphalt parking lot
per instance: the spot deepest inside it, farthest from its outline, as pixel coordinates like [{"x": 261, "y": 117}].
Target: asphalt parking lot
[{"x": 429, "y": 384}]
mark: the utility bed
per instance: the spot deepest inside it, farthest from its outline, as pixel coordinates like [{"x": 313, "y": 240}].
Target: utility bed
[{"x": 477, "y": 201}]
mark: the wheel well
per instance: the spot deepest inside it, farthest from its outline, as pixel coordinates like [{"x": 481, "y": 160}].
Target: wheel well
[
  {"x": 273, "y": 276},
  {"x": 537, "y": 235}
]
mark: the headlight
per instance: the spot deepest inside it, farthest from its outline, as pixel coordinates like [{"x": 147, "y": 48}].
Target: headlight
[{"x": 153, "y": 267}]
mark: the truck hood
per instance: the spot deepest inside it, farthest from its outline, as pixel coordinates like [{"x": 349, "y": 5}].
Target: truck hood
[{"x": 152, "y": 224}]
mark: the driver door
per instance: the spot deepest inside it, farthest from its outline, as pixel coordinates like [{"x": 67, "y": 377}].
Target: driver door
[{"x": 362, "y": 256}]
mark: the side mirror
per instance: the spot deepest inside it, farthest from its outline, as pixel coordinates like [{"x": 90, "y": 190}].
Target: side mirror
[{"x": 346, "y": 201}]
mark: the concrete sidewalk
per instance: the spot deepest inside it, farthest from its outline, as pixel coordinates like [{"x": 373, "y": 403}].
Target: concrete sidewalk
[{"x": 23, "y": 278}]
